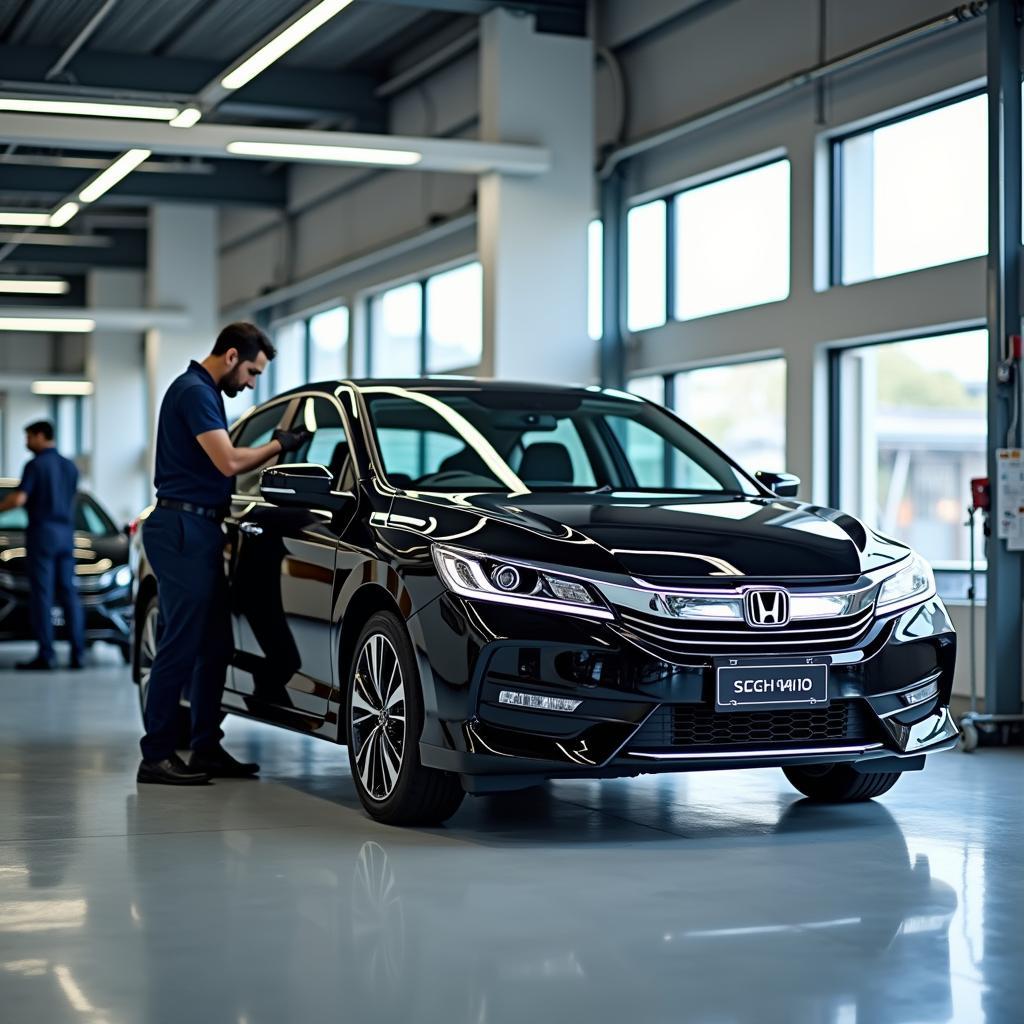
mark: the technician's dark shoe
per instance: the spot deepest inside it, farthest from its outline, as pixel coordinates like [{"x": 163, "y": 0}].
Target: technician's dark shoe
[
  {"x": 172, "y": 771},
  {"x": 35, "y": 665},
  {"x": 219, "y": 764},
  {"x": 76, "y": 664}
]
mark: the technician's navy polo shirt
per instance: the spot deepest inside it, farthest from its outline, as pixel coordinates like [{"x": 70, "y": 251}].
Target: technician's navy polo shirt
[
  {"x": 49, "y": 483},
  {"x": 184, "y": 472}
]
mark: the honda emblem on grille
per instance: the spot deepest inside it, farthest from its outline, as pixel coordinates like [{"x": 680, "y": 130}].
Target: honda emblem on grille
[{"x": 766, "y": 607}]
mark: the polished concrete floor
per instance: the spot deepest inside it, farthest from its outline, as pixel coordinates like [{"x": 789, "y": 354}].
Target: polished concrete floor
[{"x": 711, "y": 898}]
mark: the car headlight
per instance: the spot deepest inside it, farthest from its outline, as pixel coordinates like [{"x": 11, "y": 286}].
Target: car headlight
[
  {"x": 486, "y": 578},
  {"x": 911, "y": 585},
  {"x": 123, "y": 576}
]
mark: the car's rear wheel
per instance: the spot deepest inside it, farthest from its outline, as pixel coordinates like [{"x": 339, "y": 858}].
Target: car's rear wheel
[
  {"x": 148, "y": 637},
  {"x": 384, "y": 720},
  {"x": 839, "y": 783}
]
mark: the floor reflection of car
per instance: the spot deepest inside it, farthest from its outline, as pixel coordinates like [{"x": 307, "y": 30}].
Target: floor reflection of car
[
  {"x": 102, "y": 575},
  {"x": 786, "y": 941},
  {"x": 785, "y": 936},
  {"x": 480, "y": 586}
]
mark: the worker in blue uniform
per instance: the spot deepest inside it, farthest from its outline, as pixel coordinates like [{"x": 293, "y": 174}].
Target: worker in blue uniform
[
  {"x": 47, "y": 492},
  {"x": 196, "y": 465}
]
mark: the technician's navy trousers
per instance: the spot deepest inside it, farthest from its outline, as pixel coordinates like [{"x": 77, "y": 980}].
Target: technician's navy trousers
[
  {"x": 51, "y": 569},
  {"x": 194, "y": 635}
]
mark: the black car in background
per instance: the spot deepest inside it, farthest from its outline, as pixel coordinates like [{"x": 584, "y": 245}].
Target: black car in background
[
  {"x": 478, "y": 586},
  {"x": 102, "y": 575}
]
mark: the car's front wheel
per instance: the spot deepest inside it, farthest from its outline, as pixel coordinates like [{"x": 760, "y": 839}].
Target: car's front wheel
[
  {"x": 148, "y": 635},
  {"x": 839, "y": 783},
  {"x": 384, "y": 719}
]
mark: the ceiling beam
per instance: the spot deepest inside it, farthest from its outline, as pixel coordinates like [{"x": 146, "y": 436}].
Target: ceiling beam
[
  {"x": 118, "y": 249},
  {"x": 563, "y": 17},
  {"x": 463, "y": 156},
  {"x": 231, "y": 183},
  {"x": 347, "y": 96}
]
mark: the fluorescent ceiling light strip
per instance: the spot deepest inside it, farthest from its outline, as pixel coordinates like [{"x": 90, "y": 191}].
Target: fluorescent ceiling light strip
[
  {"x": 282, "y": 43},
  {"x": 58, "y": 325},
  {"x": 88, "y": 109},
  {"x": 62, "y": 387},
  {"x": 32, "y": 286},
  {"x": 24, "y": 217},
  {"x": 120, "y": 168},
  {"x": 188, "y": 117},
  {"x": 326, "y": 154},
  {"x": 62, "y": 215}
]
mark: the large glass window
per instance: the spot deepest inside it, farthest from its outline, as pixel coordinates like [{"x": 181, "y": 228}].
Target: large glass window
[
  {"x": 289, "y": 365},
  {"x": 912, "y": 428},
  {"x": 741, "y": 407},
  {"x": 328, "y": 344},
  {"x": 595, "y": 279},
  {"x": 455, "y": 319},
  {"x": 732, "y": 242},
  {"x": 396, "y": 329},
  {"x": 646, "y": 240},
  {"x": 913, "y": 193}
]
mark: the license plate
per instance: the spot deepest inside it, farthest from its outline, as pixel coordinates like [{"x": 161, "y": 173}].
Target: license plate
[{"x": 771, "y": 685}]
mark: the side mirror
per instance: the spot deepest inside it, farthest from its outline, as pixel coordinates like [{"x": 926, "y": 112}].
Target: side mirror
[
  {"x": 301, "y": 485},
  {"x": 785, "y": 485}
]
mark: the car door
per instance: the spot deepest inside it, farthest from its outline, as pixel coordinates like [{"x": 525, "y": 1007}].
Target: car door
[{"x": 283, "y": 578}]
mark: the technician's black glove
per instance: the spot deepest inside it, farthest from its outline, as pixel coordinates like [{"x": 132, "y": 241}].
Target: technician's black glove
[{"x": 291, "y": 440}]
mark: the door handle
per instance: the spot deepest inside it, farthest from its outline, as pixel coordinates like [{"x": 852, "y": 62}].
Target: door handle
[{"x": 251, "y": 529}]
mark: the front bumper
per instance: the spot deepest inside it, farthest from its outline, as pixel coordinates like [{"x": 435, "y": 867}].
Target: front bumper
[
  {"x": 640, "y": 714},
  {"x": 108, "y": 616}
]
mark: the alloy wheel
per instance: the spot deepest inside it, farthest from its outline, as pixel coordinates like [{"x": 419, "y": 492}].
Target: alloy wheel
[
  {"x": 378, "y": 717},
  {"x": 147, "y": 649}
]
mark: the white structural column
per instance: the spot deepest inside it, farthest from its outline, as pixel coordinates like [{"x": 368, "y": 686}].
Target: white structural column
[
  {"x": 182, "y": 275},
  {"x": 532, "y": 231},
  {"x": 117, "y": 470}
]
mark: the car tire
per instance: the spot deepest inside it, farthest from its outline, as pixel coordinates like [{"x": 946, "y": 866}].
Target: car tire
[
  {"x": 148, "y": 618},
  {"x": 383, "y": 723},
  {"x": 839, "y": 783}
]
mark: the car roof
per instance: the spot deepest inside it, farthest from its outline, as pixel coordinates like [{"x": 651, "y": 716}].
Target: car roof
[{"x": 447, "y": 384}]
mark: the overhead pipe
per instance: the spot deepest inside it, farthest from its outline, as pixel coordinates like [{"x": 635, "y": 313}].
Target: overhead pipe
[
  {"x": 960, "y": 15},
  {"x": 81, "y": 39}
]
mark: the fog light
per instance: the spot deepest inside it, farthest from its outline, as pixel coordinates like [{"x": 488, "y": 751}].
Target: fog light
[
  {"x": 535, "y": 701},
  {"x": 921, "y": 694}
]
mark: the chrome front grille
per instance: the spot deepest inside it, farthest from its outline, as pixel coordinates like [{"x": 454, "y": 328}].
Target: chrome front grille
[{"x": 675, "y": 638}]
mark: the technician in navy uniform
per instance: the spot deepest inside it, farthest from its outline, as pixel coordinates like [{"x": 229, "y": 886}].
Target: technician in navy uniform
[
  {"x": 47, "y": 492},
  {"x": 195, "y": 469}
]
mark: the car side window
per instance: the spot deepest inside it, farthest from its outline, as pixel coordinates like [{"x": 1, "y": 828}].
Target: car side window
[
  {"x": 329, "y": 445},
  {"x": 254, "y": 431}
]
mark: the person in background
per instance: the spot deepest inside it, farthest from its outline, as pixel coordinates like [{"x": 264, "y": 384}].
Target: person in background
[{"x": 47, "y": 492}]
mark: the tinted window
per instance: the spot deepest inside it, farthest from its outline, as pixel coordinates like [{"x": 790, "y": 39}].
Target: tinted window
[
  {"x": 257, "y": 430},
  {"x": 490, "y": 440}
]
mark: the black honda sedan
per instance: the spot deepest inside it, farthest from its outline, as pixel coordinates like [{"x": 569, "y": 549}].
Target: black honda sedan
[
  {"x": 479, "y": 586},
  {"x": 102, "y": 575}
]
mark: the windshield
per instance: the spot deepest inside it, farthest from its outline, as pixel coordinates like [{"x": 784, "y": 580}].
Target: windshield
[
  {"x": 477, "y": 439},
  {"x": 89, "y": 517}
]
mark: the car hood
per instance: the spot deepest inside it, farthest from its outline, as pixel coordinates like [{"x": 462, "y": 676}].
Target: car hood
[
  {"x": 659, "y": 537},
  {"x": 92, "y": 554}
]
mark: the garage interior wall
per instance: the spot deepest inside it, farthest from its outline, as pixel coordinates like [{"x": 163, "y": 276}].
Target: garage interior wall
[{"x": 659, "y": 62}]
